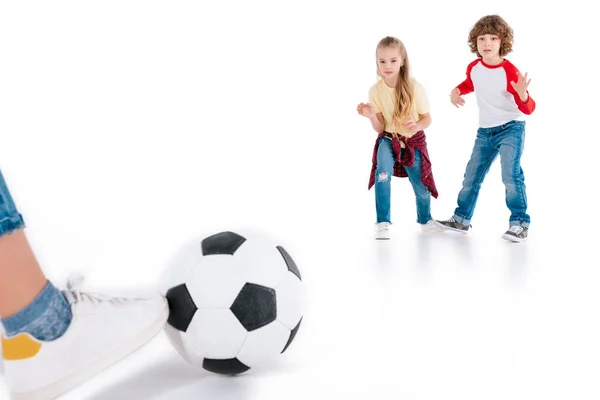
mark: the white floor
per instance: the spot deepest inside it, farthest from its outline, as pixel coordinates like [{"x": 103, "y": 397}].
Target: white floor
[
  {"x": 129, "y": 127},
  {"x": 423, "y": 316}
]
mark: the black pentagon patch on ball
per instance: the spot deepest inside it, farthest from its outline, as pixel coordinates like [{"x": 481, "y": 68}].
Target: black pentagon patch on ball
[
  {"x": 231, "y": 366},
  {"x": 292, "y": 336},
  {"x": 255, "y": 306},
  {"x": 181, "y": 307},
  {"x": 222, "y": 243},
  {"x": 292, "y": 267}
]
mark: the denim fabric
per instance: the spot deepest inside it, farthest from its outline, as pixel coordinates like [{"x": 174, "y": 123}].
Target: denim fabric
[
  {"x": 49, "y": 315},
  {"x": 46, "y": 318},
  {"x": 383, "y": 177},
  {"x": 10, "y": 219},
  {"x": 506, "y": 140}
]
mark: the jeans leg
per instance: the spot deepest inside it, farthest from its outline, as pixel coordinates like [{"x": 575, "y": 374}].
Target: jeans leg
[
  {"x": 482, "y": 156},
  {"x": 422, "y": 195},
  {"x": 383, "y": 177},
  {"x": 511, "y": 146},
  {"x": 10, "y": 219}
]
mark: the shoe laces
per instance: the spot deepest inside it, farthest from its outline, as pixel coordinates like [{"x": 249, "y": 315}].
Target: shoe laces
[
  {"x": 73, "y": 294},
  {"x": 517, "y": 229},
  {"x": 383, "y": 226},
  {"x": 451, "y": 219}
]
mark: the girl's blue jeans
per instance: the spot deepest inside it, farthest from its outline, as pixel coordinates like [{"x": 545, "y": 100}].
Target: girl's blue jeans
[{"x": 383, "y": 177}]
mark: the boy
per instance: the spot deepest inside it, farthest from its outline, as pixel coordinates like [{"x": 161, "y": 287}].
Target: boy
[{"x": 503, "y": 102}]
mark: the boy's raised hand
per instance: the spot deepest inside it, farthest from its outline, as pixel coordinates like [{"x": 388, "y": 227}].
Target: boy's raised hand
[
  {"x": 456, "y": 99},
  {"x": 521, "y": 85},
  {"x": 366, "y": 110}
]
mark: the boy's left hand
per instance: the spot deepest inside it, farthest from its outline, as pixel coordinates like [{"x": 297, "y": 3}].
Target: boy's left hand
[
  {"x": 521, "y": 86},
  {"x": 410, "y": 124}
]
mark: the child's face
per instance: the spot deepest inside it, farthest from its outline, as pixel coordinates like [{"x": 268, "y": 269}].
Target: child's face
[
  {"x": 389, "y": 61},
  {"x": 488, "y": 46}
]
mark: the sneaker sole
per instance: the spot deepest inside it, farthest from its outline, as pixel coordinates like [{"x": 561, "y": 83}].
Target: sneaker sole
[
  {"x": 61, "y": 387},
  {"x": 432, "y": 229},
  {"x": 447, "y": 228},
  {"x": 514, "y": 239}
]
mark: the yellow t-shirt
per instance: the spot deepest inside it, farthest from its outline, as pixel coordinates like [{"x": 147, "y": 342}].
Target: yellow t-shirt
[{"x": 383, "y": 98}]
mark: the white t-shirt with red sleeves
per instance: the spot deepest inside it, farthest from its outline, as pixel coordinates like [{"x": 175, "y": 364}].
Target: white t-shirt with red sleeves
[{"x": 498, "y": 101}]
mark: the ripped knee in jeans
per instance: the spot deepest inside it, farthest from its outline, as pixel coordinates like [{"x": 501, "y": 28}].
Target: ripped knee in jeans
[{"x": 382, "y": 177}]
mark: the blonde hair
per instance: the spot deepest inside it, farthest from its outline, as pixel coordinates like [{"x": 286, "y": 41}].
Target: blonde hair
[{"x": 404, "y": 90}]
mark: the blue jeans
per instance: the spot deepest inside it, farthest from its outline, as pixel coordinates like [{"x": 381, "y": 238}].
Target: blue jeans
[
  {"x": 508, "y": 141},
  {"x": 48, "y": 315},
  {"x": 383, "y": 187},
  {"x": 10, "y": 219}
]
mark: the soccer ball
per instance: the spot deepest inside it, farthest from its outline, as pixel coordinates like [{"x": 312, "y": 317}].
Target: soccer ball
[{"x": 235, "y": 302}]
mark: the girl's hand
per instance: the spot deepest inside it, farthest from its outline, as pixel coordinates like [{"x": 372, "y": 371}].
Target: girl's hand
[
  {"x": 456, "y": 99},
  {"x": 521, "y": 86},
  {"x": 410, "y": 124},
  {"x": 366, "y": 110}
]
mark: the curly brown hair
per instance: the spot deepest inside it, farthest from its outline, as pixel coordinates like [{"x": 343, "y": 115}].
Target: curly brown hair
[{"x": 492, "y": 25}]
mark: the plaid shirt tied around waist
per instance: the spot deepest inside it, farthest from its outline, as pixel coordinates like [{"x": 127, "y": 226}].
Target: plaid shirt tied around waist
[{"x": 407, "y": 158}]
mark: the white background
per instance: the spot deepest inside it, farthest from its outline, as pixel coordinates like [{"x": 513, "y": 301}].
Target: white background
[{"x": 128, "y": 127}]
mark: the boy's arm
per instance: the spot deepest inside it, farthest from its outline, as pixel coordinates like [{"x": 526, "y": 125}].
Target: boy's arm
[
  {"x": 526, "y": 107},
  {"x": 467, "y": 85},
  {"x": 525, "y": 104}
]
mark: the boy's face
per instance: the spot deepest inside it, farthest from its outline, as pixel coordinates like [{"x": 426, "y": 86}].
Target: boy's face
[
  {"x": 488, "y": 46},
  {"x": 389, "y": 61}
]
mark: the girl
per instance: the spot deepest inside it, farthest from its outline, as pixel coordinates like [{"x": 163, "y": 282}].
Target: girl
[{"x": 399, "y": 112}]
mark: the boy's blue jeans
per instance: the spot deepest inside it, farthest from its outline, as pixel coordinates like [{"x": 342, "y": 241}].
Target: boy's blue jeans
[
  {"x": 383, "y": 177},
  {"x": 507, "y": 140},
  {"x": 10, "y": 219}
]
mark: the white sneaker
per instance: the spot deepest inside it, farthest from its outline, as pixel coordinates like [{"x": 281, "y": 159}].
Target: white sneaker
[
  {"x": 382, "y": 231},
  {"x": 431, "y": 226},
  {"x": 103, "y": 330}
]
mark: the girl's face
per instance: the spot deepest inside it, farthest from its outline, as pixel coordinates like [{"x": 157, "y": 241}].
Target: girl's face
[
  {"x": 489, "y": 47},
  {"x": 389, "y": 61}
]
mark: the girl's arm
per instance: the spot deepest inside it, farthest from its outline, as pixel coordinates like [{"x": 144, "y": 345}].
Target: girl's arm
[
  {"x": 377, "y": 122},
  {"x": 423, "y": 122},
  {"x": 416, "y": 126}
]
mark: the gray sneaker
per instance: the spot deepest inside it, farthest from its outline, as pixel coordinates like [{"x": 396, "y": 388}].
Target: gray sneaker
[
  {"x": 516, "y": 233},
  {"x": 452, "y": 225}
]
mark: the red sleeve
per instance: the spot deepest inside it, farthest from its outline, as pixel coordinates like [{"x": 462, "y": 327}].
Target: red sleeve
[
  {"x": 512, "y": 74},
  {"x": 467, "y": 85}
]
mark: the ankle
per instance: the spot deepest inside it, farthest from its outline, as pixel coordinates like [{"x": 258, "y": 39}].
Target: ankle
[{"x": 46, "y": 317}]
